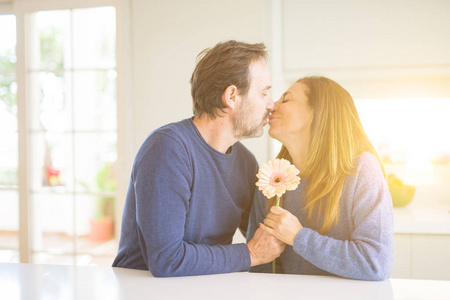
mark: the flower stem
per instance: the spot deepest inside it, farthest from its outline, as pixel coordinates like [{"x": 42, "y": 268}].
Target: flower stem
[
  {"x": 274, "y": 265},
  {"x": 278, "y": 201}
]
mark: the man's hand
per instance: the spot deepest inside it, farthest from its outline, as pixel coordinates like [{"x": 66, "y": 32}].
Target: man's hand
[
  {"x": 264, "y": 248},
  {"x": 281, "y": 224}
]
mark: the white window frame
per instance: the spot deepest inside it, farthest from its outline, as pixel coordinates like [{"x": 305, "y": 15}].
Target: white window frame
[{"x": 21, "y": 9}]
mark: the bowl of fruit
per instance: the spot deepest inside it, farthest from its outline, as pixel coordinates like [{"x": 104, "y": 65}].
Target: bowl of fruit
[{"x": 401, "y": 194}]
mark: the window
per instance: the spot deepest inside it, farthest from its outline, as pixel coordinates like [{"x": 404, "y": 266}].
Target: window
[
  {"x": 409, "y": 135},
  {"x": 9, "y": 196},
  {"x": 71, "y": 135}
]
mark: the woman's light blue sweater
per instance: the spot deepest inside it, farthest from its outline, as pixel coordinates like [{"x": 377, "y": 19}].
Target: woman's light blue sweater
[{"x": 360, "y": 246}]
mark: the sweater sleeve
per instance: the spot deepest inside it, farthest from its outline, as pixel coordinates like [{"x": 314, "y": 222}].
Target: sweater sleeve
[
  {"x": 245, "y": 218},
  {"x": 162, "y": 179},
  {"x": 257, "y": 215},
  {"x": 368, "y": 254}
]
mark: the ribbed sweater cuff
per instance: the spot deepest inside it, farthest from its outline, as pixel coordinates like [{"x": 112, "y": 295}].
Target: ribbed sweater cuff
[
  {"x": 245, "y": 256},
  {"x": 301, "y": 240}
]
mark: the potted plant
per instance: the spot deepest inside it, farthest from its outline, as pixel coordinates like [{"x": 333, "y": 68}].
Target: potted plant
[{"x": 102, "y": 225}]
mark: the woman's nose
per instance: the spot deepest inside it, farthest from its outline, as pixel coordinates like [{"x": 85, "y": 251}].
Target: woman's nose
[{"x": 275, "y": 105}]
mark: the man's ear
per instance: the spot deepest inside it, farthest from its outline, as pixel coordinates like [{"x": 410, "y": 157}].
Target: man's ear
[{"x": 231, "y": 97}]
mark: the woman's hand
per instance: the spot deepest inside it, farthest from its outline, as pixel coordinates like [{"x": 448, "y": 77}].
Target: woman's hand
[{"x": 281, "y": 224}]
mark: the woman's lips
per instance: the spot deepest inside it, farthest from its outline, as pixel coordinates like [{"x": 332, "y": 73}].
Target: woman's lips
[{"x": 271, "y": 118}]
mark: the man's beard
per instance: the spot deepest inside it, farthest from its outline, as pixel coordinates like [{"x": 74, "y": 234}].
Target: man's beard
[{"x": 242, "y": 129}]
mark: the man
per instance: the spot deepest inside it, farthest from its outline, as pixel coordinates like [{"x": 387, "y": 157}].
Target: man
[{"x": 192, "y": 182}]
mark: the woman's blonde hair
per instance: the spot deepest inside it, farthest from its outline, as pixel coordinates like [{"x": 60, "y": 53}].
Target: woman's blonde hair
[{"x": 337, "y": 139}]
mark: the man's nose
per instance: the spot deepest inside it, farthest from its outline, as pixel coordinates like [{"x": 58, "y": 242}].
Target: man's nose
[
  {"x": 274, "y": 106},
  {"x": 270, "y": 104}
]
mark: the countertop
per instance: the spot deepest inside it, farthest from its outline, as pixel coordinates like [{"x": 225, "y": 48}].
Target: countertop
[{"x": 32, "y": 281}]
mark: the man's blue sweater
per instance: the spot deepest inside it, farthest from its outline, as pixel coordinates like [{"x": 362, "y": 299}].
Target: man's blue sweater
[{"x": 184, "y": 203}]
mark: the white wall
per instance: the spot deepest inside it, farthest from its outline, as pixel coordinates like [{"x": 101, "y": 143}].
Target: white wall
[{"x": 167, "y": 37}]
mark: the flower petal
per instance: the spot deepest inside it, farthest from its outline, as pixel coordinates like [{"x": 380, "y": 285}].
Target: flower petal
[{"x": 276, "y": 176}]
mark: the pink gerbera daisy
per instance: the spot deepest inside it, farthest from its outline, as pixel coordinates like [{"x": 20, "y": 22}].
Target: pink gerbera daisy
[{"x": 276, "y": 177}]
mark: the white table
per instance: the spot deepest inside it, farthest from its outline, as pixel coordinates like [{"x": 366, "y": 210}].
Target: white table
[{"x": 30, "y": 281}]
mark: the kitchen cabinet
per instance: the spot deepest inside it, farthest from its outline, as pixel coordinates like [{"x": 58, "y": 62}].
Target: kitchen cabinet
[
  {"x": 430, "y": 257},
  {"x": 422, "y": 235},
  {"x": 321, "y": 34},
  {"x": 402, "y": 256},
  {"x": 421, "y": 256},
  {"x": 375, "y": 49}
]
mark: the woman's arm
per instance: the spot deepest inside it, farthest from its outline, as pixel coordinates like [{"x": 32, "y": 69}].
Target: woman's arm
[{"x": 368, "y": 254}]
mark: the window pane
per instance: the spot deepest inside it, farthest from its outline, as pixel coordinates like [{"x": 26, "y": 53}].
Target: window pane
[
  {"x": 95, "y": 225},
  {"x": 51, "y": 162},
  {"x": 53, "y": 226},
  {"x": 73, "y": 132},
  {"x": 50, "y": 36},
  {"x": 8, "y": 43},
  {"x": 95, "y": 100},
  {"x": 94, "y": 38},
  {"x": 9, "y": 220},
  {"x": 8, "y": 85},
  {"x": 411, "y": 130},
  {"x": 95, "y": 173},
  {"x": 95, "y": 155},
  {"x": 8, "y": 150},
  {"x": 410, "y": 141},
  {"x": 9, "y": 198},
  {"x": 50, "y": 104},
  {"x": 8, "y": 103}
]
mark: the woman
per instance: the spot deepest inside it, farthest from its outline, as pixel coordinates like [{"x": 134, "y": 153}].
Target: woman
[{"x": 339, "y": 219}]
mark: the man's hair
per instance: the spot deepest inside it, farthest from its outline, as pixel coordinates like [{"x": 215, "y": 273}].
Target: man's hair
[{"x": 217, "y": 68}]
